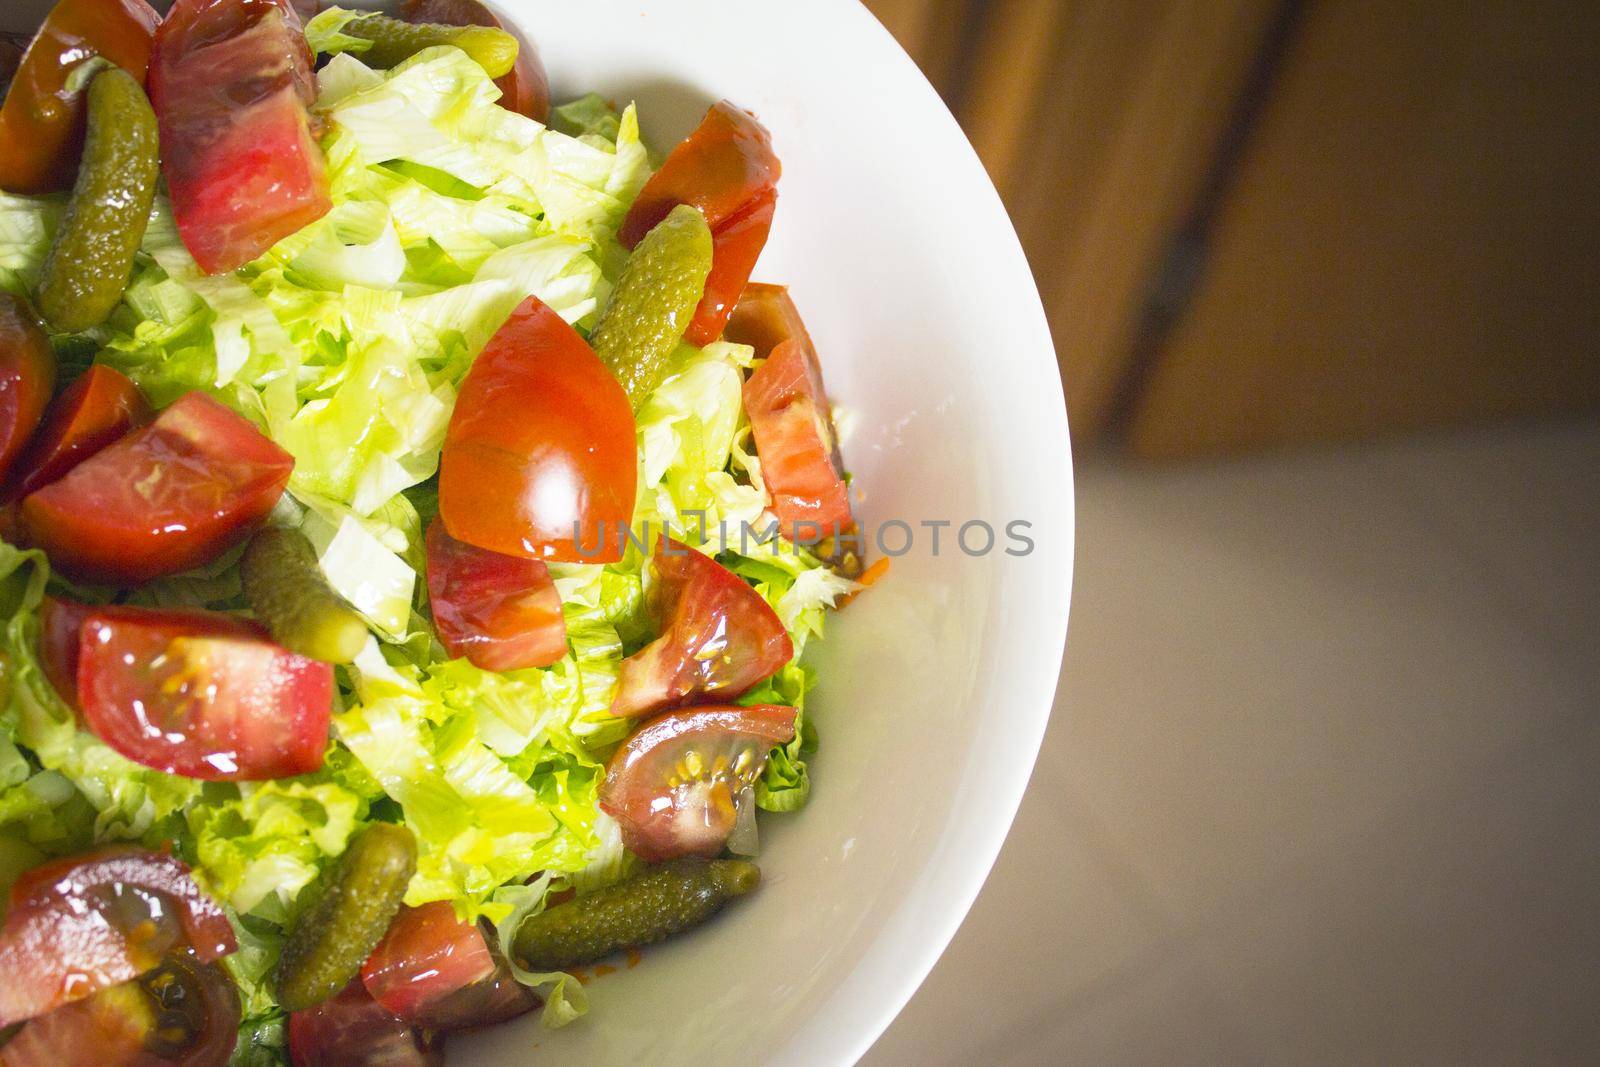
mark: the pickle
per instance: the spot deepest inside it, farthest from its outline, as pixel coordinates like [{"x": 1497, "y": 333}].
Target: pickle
[
  {"x": 88, "y": 267},
  {"x": 395, "y": 41},
  {"x": 337, "y": 933},
  {"x": 287, "y": 591},
  {"x": 646, "y": 908},
  {"x": 654, "y": 301}
]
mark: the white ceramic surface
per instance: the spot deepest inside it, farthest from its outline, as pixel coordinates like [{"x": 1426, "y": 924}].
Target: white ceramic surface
[{"x": 936, "y": 686}]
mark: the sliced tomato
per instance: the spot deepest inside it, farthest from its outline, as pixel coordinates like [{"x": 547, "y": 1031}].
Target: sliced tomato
[
  {"x": 353, "y": 1030},
  {"x": 183, "y": 1013},
  {"x": 80, "y": 925},
  {"x": 97, "y": 409},
  {"x": 306, "y": 9},
  {"x": 676, "y": 785},
  {"x": 764, "y": 318},
  {"x": 526, "y": 90},
  {"x": 720, "y": 168},
  {"x": 60, "y": 633},
  {"x": 437, "y": 972},
  {"x": 540, "y": 457},
  {"x": 42, "y": 124},
  {"x": 501, "y": 612},
  {"x": 718, "y": 640},
  {"x": 27, "y": 374},
  {"x": 167, "y": 497},
  {"x": 736, "y": 245},
  {"x": 232, "y": 86},
  {"x": 793, "y": 427},
  {"x": 201, "y": 694}
]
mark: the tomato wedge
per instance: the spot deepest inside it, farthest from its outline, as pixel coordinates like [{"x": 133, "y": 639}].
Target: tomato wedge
[
  {"x": 200, "y": 694},
  {"x": 526, "y": 90},
  {"x": 437, "y": 972},
  {"x": 60, "y": 633},
  {"x": 80, "y": 925},
  {"x": 675, "y": 786},
  {"x": 728, "y": 170},
  {"x": 167, "y": 497},
  {"x": 27, "y": 374},
  {"x": 42, "y": 124},
  {"x": 353, "y": 1030},
  {"x": 790, "y": 416},
  {"x": 501, "y": 612},
  {"x": 184, "y": 1012},
  {"x": 540, "y": 458},
  {"x": 719, "y": 638},
  {"x": 232, "y": 87},
  {"x": 97, "y": 409}
]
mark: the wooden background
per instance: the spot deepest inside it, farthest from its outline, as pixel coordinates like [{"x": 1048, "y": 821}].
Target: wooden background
[{"x": 1257, "y": 222}]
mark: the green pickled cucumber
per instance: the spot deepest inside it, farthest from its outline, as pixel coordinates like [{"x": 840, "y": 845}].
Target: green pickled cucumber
[
  {"x": 287, "y": 591},
  {"x": 395, "y": 41},
  {"x": 88, "y": 267},
  {"x": 337, "y": 933},
  {"x": 646, "y": 908},
  {"x": 654, "y": 301}
]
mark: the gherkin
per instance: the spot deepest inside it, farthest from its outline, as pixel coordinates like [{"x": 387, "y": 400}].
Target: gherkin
[{"x": 286, "y": 589}]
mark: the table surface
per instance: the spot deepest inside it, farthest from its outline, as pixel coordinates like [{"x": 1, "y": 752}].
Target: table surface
[{"x": 1320, "y": 785}]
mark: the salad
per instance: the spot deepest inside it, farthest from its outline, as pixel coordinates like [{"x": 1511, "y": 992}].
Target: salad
[{"x": 413, "y": 523}]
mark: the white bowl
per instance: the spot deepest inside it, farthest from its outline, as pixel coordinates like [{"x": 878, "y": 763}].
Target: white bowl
[{"x": 935, "y": 685}]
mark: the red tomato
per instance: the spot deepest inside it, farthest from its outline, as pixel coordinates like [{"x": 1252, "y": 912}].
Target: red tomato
[
  {"x": 182, "y": 1013},
  {"x": 540, "y": 458},
  {"x": 719, "y": 638},
  {"x": 83, "y": 924},
  {"x": 526, "y": 90},
  {"x": 675, "y": 785},
  {"x": 437, "y": 972},
  {"x": 60, "y": 632},
  {"x": 167, "y": 497},
  {"x": 353, "y": 1030},
  {"x": 201, "y": 694},
  {"x": 96, "y": 410},
  {"x": 790, "y": 417},
  {"x": 720, "y": 168},
  {"x": 232, "y": 87},
  {"x": 736, "y": 245},
  {"x": 27, "y": 374},
  {"x": 501, "y": 612},
  {"x": 306, "y": 9},
  {"x": 41, "y": 124}
]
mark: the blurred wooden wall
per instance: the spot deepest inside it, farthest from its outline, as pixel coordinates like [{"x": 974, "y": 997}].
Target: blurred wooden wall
[{"x": 1266, "y": 221}]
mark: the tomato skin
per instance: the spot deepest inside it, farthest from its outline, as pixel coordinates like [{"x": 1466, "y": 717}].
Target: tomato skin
[
  {"x": 719, "y": 638},
  {"x": 724, "y": 164},
  {"x": 736, "y": 245},
  {"x": 232, "y": 86},
  {"x": 526, "y": 90},
  {"x": 668, "y": 808},
  {"x": 85, "y": 923},
  {"x": 201, "y": 694},
  {"x": 353, "y": 1030},
  {"x": 97, "y": 409},
  {"x": 764, "y": 318},
  {"x": 60, "y": 631},
  {"x": 792, "y": 423},
  {"x": 164, "y": 498},
  {"x": 27, "y": 375},
  {"x": 41, "y": 124},
  {"x": 437, "y": 972},
  {"x": 501, "y": 612},
  {"x": 540, "y": 459}
]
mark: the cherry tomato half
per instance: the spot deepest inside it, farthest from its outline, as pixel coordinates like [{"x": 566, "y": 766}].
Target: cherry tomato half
[
  {"x": 719, "y": 638},
  {"x": 167, "y": 497},
  {"x": 184, "y": 1013},
  {"x": 353, "y": 1030},
  {"x": 83, "y": 924},
  {"x": 232, "y": 87},
  {"x": 27, "y": 375},
  {"x": 42, "y": 124},
  {"x": 501, "y": 612},
  {"x": 540, "y": 458},
  {"x": 97, "y": 409},
  {"x": 437, "y": 972},
  {"x": 736, "y": 245},
  {"x": 526, "y": 90},
  {"x": 201, "y": 694},
  {"x": 675, "y": 785}
]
